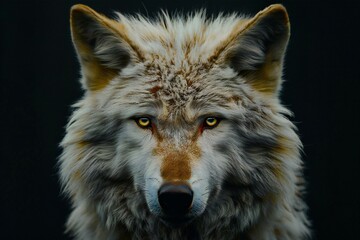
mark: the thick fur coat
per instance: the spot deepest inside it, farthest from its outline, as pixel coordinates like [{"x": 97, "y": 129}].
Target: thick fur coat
[{"x": 184, "y": 100}]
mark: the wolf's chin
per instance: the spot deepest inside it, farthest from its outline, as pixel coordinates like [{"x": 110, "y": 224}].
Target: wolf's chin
[{"x": 176, "y": 222}]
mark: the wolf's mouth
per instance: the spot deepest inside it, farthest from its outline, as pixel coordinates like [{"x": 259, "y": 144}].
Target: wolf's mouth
[{"x": 176, "y": 222}]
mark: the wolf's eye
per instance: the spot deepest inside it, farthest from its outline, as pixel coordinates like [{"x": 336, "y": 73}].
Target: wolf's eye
[
  {"x": 143, "y": 122},
  {"x": 211, "y": 122}
]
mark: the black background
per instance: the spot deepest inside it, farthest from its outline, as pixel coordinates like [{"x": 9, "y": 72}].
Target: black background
[{"x": 39, "y": 80}]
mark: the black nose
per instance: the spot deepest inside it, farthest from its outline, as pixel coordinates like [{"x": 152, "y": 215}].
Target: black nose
[{"x": 175, "y": 199}]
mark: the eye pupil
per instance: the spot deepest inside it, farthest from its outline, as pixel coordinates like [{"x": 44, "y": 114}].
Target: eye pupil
[
  {"x": 143, "y": 122},
  {"x": 211, "y": 121}
]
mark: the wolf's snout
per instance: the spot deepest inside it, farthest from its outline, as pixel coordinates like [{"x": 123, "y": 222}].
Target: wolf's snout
[{"x": 175, "y": 199}]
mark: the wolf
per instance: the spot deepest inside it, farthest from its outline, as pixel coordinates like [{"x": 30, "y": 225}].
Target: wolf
[{"x": 180, "y": 133}]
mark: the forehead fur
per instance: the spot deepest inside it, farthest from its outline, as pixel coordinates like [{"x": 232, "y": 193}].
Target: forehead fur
[
  {"x": 176, "y": 53},
  {"x": 191, "y": 38}
]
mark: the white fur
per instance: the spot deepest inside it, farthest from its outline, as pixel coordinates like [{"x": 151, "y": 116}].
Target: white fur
[{"x": 246, "y": 176}]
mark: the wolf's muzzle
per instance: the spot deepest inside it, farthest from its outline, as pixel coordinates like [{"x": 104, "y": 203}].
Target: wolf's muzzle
[{"x": 175, "y": 200}]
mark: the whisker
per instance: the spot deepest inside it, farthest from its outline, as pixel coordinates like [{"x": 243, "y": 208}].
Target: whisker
[
  {"x": 154, "y": 179},
  {"x": 198, "y": 180}
]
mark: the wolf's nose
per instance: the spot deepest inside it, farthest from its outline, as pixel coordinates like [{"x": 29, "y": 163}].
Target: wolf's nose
[{"x": 175, "y": 199}]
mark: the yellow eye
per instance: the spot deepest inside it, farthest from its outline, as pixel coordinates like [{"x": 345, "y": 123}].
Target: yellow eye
[
  {"x": 211, "y": 122},
  {"x": 143, "y": 122}
]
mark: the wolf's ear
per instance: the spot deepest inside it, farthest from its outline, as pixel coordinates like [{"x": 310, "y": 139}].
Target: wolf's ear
[
  {"x": 256, "y": 50},
  {"x": 102, "y": 46}
]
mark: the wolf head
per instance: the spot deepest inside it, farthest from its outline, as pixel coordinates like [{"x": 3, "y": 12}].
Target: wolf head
[{"x": 180, "y": 122}]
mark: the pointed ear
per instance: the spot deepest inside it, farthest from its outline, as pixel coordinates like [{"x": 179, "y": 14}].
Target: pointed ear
[
  {"x": 101, "y": 44},
  {"x": 257, "y": 49}
]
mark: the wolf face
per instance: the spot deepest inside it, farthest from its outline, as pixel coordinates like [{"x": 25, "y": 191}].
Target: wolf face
[{"x": 180, "y": 133}]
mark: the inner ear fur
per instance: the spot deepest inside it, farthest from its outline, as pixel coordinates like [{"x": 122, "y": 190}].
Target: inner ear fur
[
  {"x": 256, "y": 50},
  {"x": 101, "y": 44}
]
